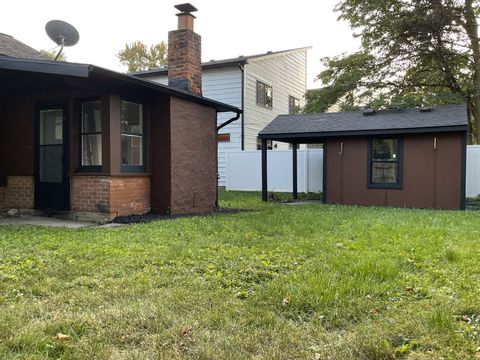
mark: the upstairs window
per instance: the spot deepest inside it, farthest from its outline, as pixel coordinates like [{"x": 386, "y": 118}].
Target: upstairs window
[
  {"x": 385, "y": 163},
  {"x": 264, "y": 95},
  {"x": 132, "y": 131},
  {"x": 91, "y": 135},
  {"x": 293, "y": 105}
]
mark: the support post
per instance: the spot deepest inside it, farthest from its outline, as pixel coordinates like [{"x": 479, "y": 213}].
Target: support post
[
  {"x": 264, "y": 170},
  {"x": 294, "y": 171}
]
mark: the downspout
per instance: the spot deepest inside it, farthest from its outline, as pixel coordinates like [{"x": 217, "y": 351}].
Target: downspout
[
  {"x": 242, "y": 133},
  {"x": 236, "y": 117}
]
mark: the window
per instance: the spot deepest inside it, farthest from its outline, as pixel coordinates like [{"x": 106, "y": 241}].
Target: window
[
  {"x": 385, "y": 163},
  {"x": 132, "y": 137},
  {"x": 91, "y": 135},
  {"x": 293, "y": 105},
  {"x": 269, "y": 144},
  {"x": 264, "y": 95}
]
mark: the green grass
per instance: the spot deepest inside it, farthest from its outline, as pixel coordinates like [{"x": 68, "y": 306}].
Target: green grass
[{"x": 277, "y": 282}]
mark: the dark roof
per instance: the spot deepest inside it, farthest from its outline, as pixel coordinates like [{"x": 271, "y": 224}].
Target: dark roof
[
  {"x": 241, "y": 60},
  {"x": 435, "y": 119},
  {"x": 9, "y": 46},
  {"x": 92, "y": 72}
]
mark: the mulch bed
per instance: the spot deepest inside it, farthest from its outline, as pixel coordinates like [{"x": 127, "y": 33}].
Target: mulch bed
[{"x": 145, "y": 218}]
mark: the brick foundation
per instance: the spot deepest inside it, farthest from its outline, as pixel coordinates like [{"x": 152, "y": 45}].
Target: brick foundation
[
  {"x": 19, "y": 192},
  {"x": 115, "y": 196},
  {"x": 90, "y": 194},
  {"x": 129, "y": 195},
  {"x": 3, "y": 191}
]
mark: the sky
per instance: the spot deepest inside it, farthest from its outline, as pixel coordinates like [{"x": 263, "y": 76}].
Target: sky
[{"x": 228, "y": 28}]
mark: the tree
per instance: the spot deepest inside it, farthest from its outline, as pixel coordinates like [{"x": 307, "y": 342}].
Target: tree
[
  {"x": 137, "y": 56},
  {"x": 51, "y": 55},
  {"x": 414, "y": 53}
]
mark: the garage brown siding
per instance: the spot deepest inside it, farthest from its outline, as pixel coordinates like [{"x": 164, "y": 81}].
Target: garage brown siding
[
  {"x": 193, "y": 157},
  {"x": 432, "y": 178}
]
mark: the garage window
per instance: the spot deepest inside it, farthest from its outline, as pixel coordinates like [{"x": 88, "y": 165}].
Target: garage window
[{"x": 385, "y": 163}]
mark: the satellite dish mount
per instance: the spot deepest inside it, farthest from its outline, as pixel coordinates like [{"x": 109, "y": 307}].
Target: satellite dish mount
[{"x": 62, "y": 33}]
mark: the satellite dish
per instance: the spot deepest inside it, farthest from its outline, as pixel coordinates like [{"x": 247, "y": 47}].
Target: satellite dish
[{"x": 62, "y": 33}]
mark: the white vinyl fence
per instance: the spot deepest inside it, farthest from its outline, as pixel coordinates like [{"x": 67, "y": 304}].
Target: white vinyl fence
[
  {"x": 244, "y": 170},
  {"x": 473, "y": 170}
]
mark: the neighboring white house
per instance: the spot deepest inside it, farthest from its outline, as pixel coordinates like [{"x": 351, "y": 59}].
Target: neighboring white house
[{"x": 263, "y": 86}]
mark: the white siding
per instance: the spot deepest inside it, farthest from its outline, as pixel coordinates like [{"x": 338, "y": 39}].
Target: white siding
[
  {"x": 287, "y": 74},
  {"x": 162, "y": 79},
  {"x": 224, "y": 85}
]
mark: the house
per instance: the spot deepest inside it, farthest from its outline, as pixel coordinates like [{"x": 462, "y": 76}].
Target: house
[
  {"x": 9, "y": 46},
  {"x": 91, "y": 142},
  {"x": 403, "y": 158},
  {"x": 263, "y": 86}
]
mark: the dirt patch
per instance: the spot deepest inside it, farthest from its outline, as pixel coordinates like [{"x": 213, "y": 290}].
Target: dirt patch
[{"x": 135, "y": 219}]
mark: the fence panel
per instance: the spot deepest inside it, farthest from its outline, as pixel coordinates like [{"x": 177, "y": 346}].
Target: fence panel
[
  {"x": 244, "y": 170},
  {"x": 473, "y": 170}
]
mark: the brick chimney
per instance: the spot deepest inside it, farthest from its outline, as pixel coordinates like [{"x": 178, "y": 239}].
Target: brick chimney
[{"x": 185, "y": 53}]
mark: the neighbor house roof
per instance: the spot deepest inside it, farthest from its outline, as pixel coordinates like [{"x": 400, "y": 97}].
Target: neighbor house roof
[
  {"x": 435, "y": 119},
  {"x": 9, "y": 46},
  {"x": 240, "y": 60},
  {"x": 91, "y": 73}
]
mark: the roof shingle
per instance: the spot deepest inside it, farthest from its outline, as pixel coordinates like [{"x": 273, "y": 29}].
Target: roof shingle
[
  {"x": 330, "y": 124},
  {"x": 9, "y": 46}
]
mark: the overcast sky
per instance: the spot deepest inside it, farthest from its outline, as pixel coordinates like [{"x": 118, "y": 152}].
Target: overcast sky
[{"x": 228, "y": 28}]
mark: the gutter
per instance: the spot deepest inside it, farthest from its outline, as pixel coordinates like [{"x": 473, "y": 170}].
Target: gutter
[
  {"x": 242, "y": 140},
  {"x": 236, "y": 117}
]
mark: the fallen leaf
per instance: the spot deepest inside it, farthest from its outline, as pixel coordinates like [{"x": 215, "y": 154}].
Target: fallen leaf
[
  {"x": 62, "y": 337},
  {"x": 373, "y": 311},
  {"x": 123, "y": 338},
  {"x": 187, "y": 332}
]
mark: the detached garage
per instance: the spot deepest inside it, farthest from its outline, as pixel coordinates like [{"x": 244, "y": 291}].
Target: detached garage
[{"x": 403, "y": 158}]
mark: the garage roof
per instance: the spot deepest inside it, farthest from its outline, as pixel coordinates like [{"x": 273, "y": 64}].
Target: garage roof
[{"x": 434, "y": 119}]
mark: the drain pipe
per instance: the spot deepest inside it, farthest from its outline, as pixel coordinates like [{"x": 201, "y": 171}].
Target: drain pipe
[{"x": 236, "y": 117}]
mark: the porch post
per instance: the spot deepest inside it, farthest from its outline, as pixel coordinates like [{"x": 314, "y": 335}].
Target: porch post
[
  {"x": 264, "y": 170},
  {"x": 294, "y": 170}
]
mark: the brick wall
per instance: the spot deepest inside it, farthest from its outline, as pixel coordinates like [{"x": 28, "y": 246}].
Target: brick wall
[
  {"x": 19, "y": 192},
  {"x": 193, "y": 157},
  {"x": 116, "y": 196},
  {"x": 90, "y": 194},
  {"x": 129, "y": 195},
  {"x": 185, "y": 60},
  {"x": 3, "y": 191}
]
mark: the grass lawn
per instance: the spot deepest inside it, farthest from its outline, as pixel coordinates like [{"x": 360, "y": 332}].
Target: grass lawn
[{"x": 277, "y": 282}]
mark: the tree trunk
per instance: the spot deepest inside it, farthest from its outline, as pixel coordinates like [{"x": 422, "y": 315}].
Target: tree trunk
[{"x": 473, "y": 103}]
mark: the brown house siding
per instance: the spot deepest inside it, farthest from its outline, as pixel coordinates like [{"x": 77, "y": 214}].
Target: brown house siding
[
  {"x": 193, "y": 157},
  {"x": 18, "y": 142},
  {"x": 428, "y": 174}
]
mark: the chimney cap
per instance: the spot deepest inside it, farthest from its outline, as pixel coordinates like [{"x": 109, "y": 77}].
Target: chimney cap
[{"x": 186, "y": 8}]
